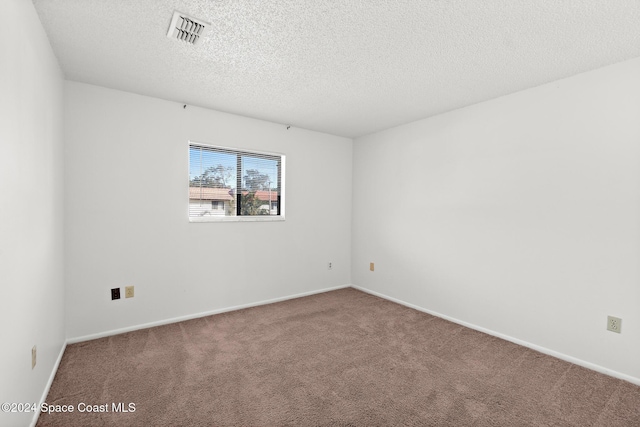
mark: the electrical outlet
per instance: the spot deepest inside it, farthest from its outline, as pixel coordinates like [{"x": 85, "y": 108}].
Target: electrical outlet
[
  {"x": 371, "y": 267},
  {"x": 34, "y": 355},
  {"x": 115, "y": 293},
  {"x": 614, "y": 324},
  {"x": 330, "y": 266},
  {"x": 128, "y": 291}
]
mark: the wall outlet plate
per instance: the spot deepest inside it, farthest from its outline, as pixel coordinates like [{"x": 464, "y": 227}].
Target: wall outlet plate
[
  {"x": 115, "y": 293},
  {"x": 614, "y": 324},
  {"x": 371, "y": 266},
  {"x": 128, "y": 291},
  {"x": 330, "y": 266}
]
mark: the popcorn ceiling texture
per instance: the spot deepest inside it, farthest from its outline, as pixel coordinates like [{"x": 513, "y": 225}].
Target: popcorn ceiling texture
[{"x": 347, "y": 68}]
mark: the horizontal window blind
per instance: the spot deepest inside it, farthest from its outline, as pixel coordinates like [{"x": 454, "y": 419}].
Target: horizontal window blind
[{"x": 225, "y": 182}]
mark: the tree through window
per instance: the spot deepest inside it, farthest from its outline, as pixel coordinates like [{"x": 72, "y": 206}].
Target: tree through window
[{"x": 237, "y": 183}]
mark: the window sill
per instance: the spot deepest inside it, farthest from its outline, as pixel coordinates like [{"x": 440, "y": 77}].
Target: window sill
[{"x": 257, "y": 218}]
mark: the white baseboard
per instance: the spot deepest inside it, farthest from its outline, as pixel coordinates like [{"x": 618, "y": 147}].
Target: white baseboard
[
  {"x": 538, "y": 348},
  {"x": 197, "y": 315},
  {"x": 34, "y": 421}
]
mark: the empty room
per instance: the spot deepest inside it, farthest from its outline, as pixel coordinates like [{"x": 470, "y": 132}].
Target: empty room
[{"x": 313, "y": 213}]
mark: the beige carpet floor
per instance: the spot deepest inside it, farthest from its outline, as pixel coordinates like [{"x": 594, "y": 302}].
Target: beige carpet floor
[{"x": 342, "y": 358}]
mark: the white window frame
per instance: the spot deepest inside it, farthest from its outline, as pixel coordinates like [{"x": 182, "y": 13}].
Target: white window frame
[{"x": 241, "y": 218}]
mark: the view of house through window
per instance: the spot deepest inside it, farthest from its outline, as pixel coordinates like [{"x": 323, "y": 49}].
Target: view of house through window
[{"x": 225, "y": 182}]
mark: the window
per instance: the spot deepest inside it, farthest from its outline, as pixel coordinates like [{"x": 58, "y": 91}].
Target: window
[{"x": 229, "y": 184}]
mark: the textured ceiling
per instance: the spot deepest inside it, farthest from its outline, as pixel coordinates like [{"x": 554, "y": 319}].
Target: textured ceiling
[{"x": 347, "y": 67}]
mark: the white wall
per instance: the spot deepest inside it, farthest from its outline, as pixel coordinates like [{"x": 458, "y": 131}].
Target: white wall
[
  {"x": 519, "y": 215},
  {"x": 31, "y": 216},
  {"x": 125, "y": 150}
]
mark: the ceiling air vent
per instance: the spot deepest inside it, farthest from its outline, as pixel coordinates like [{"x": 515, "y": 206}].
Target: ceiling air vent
[{"x": 186, "y": 28}]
